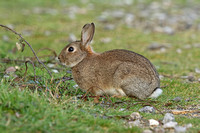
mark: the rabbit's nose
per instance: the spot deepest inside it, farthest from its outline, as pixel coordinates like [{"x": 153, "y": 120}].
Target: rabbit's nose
[{"x": 59, "y": 57}]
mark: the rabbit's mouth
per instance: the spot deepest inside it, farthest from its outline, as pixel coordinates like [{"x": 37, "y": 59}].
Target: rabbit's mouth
[
  {"x": 68, "y": 64},
  {"x": 63, "y": 64}
]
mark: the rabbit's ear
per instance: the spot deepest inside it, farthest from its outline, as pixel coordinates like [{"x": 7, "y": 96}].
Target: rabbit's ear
[{"x": 87, "y": 34}]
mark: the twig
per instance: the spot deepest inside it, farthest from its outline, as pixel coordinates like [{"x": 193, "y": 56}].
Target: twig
[
  {"x": 10, "y": 60},
  {"x": 28, "y": 45},
  {"x": 27, "y": 69}
]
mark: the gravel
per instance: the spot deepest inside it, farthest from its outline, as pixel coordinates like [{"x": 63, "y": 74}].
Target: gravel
[
  {"x": 168, "y": 117},
  {"x": 147, "y": 109},
  {"x": 168, "y": 124}
]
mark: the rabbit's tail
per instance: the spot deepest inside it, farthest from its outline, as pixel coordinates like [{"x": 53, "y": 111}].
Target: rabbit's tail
[{"x": 156, "y": 93}]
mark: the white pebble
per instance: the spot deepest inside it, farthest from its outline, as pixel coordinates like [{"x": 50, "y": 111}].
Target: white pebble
[
  {"x": 188, "y": 125},
  {"x": 180, "y": 129},
  {"x": 6, "y": 76},
  {"x": 134, "y": 123},
  {"x": 147, "y": 131},
  {"x": 153, "y": 122},
  {"x": 168, "y": 117},
  {"x": 75, "y": 86},
  {"x": 135, "y": 116},
  {"x": 170, "y": 124},
  {"x": 122, "y": 109},
  {"x": 55, "y": 71},
  {"x": 179, "y": 51},
  {"x": 50, "y": 65},
  {"x": 197, "y": 70},
  {"x": 147, "y": 109}
]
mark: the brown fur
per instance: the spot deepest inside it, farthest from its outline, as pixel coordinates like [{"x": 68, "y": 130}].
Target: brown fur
[{"x": 115, "y": 72}]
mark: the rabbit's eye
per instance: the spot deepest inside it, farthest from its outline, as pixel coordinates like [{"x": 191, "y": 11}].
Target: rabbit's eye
[{"x": 70, "y": 49}]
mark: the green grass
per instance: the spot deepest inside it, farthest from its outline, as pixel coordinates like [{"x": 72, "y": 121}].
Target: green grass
[{"x": 52, "y": 107}]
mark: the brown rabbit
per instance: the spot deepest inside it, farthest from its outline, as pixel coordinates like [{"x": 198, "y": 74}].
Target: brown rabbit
[{"x": 116, "y": 72}]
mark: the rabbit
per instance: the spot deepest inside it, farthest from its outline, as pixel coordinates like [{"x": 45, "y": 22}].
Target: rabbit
[{"x": 116, "y": 72}]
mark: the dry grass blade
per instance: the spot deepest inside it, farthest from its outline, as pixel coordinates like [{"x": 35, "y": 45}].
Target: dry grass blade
[{"x": 177, "y": 112}]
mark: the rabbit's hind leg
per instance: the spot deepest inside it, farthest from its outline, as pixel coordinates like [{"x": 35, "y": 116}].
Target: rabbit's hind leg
[{"x": 135, "y": 87}]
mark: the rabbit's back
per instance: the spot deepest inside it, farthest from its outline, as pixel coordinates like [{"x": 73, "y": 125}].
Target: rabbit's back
[{"x": 135, "y": 74}]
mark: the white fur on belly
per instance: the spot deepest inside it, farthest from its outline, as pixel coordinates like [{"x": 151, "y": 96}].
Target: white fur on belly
[{"x": 111, "y": 92}]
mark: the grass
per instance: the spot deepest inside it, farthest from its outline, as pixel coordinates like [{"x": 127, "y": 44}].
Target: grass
[{"x": 52, "y": 107}]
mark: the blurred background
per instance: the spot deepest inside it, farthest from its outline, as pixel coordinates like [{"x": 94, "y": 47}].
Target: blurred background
[{"x": 165, "y": 31}]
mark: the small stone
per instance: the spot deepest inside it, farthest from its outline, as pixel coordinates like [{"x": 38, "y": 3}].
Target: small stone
[
  {"x": 196, "y": 45},
  {"x": 191, "y": 78},
  {"x": 168, "y": 30},
  {"x": 55, "y": 71},
  {"x": 187, "y": 46},
  {"x": 188, "y": 100},
  {"x": 109, "y": 27},
  {"x": 17, "y": 67},
  {"x": 168, "y": 117},
  {"x": 10, "y": 70},
  {"x": 17, "y": 114},
  {"x": 69, "y": 71},
  {"x": 122, "y": 109},
  {"x": 128, "y": 2},
  {"x": 184, "y": 77},
  {"x": 136, "y": 123},
  {"x": 179, "y": 51},
  {"x": 79, "y": 96},
  {"x": 153, "y": 122},
  {"x": 135, "y": 116},
  {"x": 162, "y": 50},
  {"x": 197, "y": 70},
  {"x": 129, "y": 18},
  {"x": 147, "y": 131},
  {"x": 156, "y": 46},
  {"x": 6, "y": 76},
  {"x": 170, "y": 124},
  {"x": 75, "y": 86},
  {"x": 117, "y": 14},
  {"x": 147, "y": 109},
  {"x": 180, "y": 129},
  {"x": 188, "y": 125},
  {"x": 102, "y": 18},
  {"x": 159, "y": 130},
  {"x": 177, "y": 99},
  {"x": 51, "y": 65}
]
